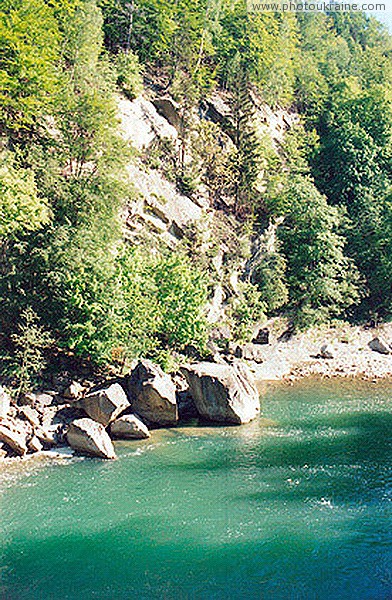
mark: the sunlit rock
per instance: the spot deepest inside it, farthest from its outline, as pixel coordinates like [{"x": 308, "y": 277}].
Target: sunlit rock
[
  {"x": 129, "y": 427},
  {"x": 152, "y": 394},
  {"x": 106, "y": 404},
  {"x": 223, "y": 393},
  {"x": 89, "y": 437}
]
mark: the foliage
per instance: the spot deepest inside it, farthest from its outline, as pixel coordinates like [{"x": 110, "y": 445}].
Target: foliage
[
  {"x": 30, "y": 342},
  {"x": 163, "y": 301},
  {"x": 321, "y": 279},
  {"x": 144, "y": 305},
  {"x": 246, "y": 308},
  {"x": 353, "y": 167},
  {"x": 245, "y": 160},
  {"x": 270, "y": 278},
  {"x": 211, "y": 151},
  {"x": 129, "y": 78},
  {"x": 29, "y": 41},
  {"x": 182, "y": 295},
  {"x": 21, "y": 208}
]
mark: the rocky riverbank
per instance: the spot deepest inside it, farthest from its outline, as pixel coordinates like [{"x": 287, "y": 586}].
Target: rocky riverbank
[
  {"x": 85, "y": 418},
  {"x": 343, "y": 351}
]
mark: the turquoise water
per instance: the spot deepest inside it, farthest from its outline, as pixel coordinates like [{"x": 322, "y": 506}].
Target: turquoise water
[{"x": 298, "y": 506}]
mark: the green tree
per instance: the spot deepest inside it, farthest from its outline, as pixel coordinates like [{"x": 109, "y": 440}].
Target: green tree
[
  {"x": 182, "y": 296},
  {"x": 322, "y": 280},
  {"x": 30, "y": 343},
  {"x": 29, "y": 41},
  {"x": 269, "y": 270},
  {"x": 129, "y": 78},
  {"x": 246, "y": 158},
  {"x": 21, "y": 207},
  {"x": 353, "y": 167}
]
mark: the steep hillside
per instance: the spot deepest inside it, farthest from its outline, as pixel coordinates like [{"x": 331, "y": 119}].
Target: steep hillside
[
  {"x": 174, "y": 174},
  {"x": 161, "y": 214}
]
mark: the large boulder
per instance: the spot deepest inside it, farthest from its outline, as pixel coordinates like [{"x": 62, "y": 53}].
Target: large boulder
[
  {"x": 223, "y": 393},
  {"x": 106, "y": 404},
  {"x": 3, "y": 451},
  {"x": 185, "y": 404},
  {"x": 38, "y": 400},
  {"x": 14, "y": 435},
  {"x": 89, "y": 437},
  {"x": 35, "y": 444},
  {"x": 30, "y": 414},
  {"x": 49, "y": 434},
  {"x": 152, "y": 394},
  {"x": 129, "y": 427},
  {"x": 5, "y": 401},
  {"x": 380, "y": 345}
]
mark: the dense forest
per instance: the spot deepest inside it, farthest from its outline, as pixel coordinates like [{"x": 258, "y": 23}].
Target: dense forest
[{"x": 70, "y": 282}]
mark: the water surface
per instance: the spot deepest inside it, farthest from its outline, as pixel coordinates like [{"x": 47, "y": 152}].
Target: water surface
[{"x": 293, "y": 506}]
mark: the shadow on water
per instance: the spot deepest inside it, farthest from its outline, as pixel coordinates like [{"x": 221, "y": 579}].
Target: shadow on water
[
  {"x": 340, "y": 457},
  {"x": 296, "y": 510},
  {"x": 350, "y": 439},
  {"x": 134, "y": 560}
]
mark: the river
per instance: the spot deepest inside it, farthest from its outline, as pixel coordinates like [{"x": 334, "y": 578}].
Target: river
[{"x": 296, "y": 505}]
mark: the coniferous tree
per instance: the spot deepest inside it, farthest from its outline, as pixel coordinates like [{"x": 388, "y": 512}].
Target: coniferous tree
[{"x": 246, "y": 159}]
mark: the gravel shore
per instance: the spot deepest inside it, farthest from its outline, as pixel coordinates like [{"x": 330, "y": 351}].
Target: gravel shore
[{"x": 352, "y": 357}]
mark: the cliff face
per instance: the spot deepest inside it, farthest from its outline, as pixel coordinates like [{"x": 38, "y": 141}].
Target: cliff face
[
  {"x": 162, "y": 214},
  {"x": 158, "y": 208}
]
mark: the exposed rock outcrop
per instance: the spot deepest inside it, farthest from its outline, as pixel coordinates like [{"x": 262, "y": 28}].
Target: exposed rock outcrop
[
  {"x": 152, "y": 394},
  {"x": 169, "y": 109},
  {"x": 89, "y": 437},
  {"x": 164, "y": 209},
  {"x": 223, "y": 393},
  {"x": 129, "y": 427},
  {"x": 140, "y": 122},
  {"x": 217, "y": 109},
  {"x": 106, "y": 404},
  {"x": 250, "y": 352}
]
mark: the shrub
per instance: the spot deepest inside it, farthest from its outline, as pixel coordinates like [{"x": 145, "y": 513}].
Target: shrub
[
  {"x": 129, "y": 77},
  {"x": 163, "y": 302},
  {"x": 246, "y": 309},
  {"x": 30, "y": 341},
  {"x": 269, "y": 277}
]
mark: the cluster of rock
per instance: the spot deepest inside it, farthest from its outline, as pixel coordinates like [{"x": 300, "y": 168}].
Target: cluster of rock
[
  {"x": 126, "y": 408},
  {"x": 30, "y": 425},
  {"x": 377, "y": 344}
]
